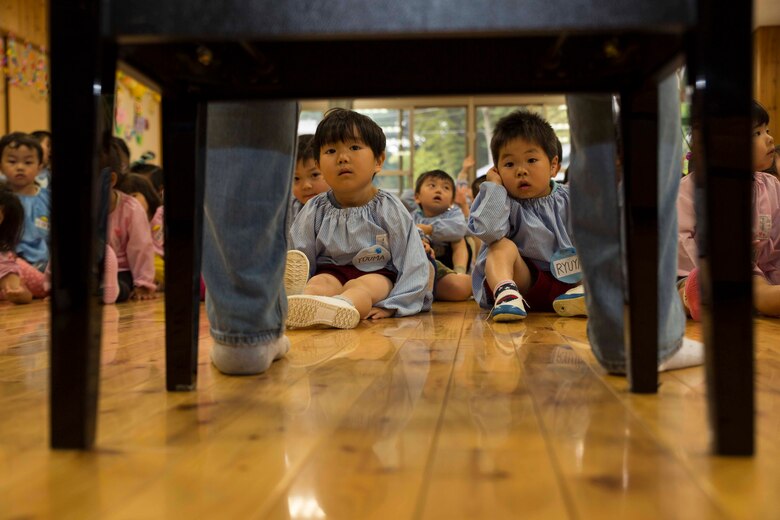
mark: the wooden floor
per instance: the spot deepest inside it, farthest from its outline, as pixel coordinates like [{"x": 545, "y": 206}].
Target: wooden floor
[{"x": 442, "y": 415}]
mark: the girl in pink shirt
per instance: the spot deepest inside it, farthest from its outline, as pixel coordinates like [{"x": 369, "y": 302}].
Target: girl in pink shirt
[
  {"x": 130, "y": 237},
  {"x": 766, "y": 228},
  {"x": 12, "y": 287},
  {"x": 141, "y": 189}
]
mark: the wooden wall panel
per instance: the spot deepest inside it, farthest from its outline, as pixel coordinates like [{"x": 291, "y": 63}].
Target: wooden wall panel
[
  {"x": 26, "y": 19},
  {"x": 766, "y": 72}
]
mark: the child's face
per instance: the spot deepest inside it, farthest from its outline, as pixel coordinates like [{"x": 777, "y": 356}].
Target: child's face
[
  {"x": 20, "y": 165},
  {"x": 525, "y": 169},
  {"x": 349, "y": 167},
  {"x": 763, "y": 148},
  {"x": 435, "y": 196},
  {"x": 308, "y": 181}
]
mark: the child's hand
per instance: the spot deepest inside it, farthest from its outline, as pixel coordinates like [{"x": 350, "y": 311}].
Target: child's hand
[
  {"x": 462, "y": 193},
  {"x": 426, "y": 228},
  {"x": 428, "y": 249},
  {"x": 377, "y": 314},
  {"x": 494, "y": 177},
  {"x": 144, "y": 293},
  {"x": 468, "y": 162}
]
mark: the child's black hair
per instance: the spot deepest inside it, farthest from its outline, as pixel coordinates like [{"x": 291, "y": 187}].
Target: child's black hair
[
  {"x": 152, "y": 172},
  {"x": 759, "y": 115},
  {"x": 305, "y": 150},
  {"x": 137, "y": 183},
  {"x": 524, "y": 125},
  {"x": 110, "y": 156},
  {"x": 476, "y": 183},
  {"x": 434, "y": 174},
  {"x": 13, "y": 219},
  {"x": 40, "y": 135},
  {"x": 16, "y": 139},
  {"x": 341, "y": 125},
  {"x": 122, "y": 146}
]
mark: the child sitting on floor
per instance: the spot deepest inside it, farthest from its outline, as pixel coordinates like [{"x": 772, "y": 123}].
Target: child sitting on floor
[
  {"x": 12, "y": 287},
  {"x": 366, "y": 257},
  {"x": 521, "y": 214},
  {"x": 766, "y": 229}
]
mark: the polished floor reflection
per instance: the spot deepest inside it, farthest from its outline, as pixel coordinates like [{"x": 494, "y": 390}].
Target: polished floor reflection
[{"x": 442, "y": 415}]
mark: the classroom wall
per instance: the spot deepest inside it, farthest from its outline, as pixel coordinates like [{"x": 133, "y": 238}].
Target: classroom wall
[
  {"x": 138, "y": 114},
  {"x": 24, "y": 106},
  {"x": 766, "y": 72}
]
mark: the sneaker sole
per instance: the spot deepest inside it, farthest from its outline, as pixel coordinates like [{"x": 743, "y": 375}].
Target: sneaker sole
[
  {"x": 303, "y": 312},
  {"x": 296, "y": 272},
  {"x": 505, "y": 313},
  {"x": 570, "y": 305}
]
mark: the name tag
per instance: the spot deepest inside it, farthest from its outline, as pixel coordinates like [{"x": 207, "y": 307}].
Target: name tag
[
  {"x": 42, "y": 223},
  {"x": 371, "y": 258},
  {"x": 565, "y": 266},
  {"x": 764, "y": 225}
]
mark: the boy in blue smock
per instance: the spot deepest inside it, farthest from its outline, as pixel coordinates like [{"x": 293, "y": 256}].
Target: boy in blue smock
[
  {"x": 365, "y": 254},
  {"x": 522, "y": 216}
]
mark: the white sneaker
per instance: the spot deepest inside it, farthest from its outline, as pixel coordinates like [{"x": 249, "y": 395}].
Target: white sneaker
[
  {"x": 308, "y": 311},
  {"x": 296, "y": 272},
  {"x": 571, "y": 303}
]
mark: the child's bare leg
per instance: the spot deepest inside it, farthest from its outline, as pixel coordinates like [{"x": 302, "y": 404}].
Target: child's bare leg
[
  {"x": 323, "y": 285},
  {"x": 766, "y": 297},
  {"x": 460, "y": 256},
  {"x": 504, "y": 263},
  {"x": 453, "y": 287},
  {"x": 14, "y": 291},
  {"x": 367, "y": 290}
]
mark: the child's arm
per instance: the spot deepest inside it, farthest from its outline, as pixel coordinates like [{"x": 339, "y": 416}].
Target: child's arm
[
  {"x": 140, "y": 252},
  {"x": 410, "y": 293},
  {"x": 489, "y": 219},
  {"x": 687, "y": 252},
  {"x": 460, "y": 256},
  {"x": 450, "y": 226}
]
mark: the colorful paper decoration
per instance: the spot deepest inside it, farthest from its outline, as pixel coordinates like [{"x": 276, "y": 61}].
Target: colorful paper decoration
[{"x": 25, "y": 66}]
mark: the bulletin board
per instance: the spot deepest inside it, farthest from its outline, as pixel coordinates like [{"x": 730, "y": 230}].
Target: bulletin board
[
  {"x": 137, "y": 116},
  {"x": 24, "y": 95}
]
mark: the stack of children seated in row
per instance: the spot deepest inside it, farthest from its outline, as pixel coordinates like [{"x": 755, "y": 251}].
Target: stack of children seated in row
[
  {"x": 356, "y": 251},
  {"x": 132, "y": 207},
  {"x": 353, "y": 253}
]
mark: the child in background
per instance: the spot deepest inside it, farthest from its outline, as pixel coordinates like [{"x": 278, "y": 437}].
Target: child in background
[
  {"x": 365, "y": 251},
  {"x": 440, "y": 221},
  {"x": 155, "y": 175},
  {"x": 308, "y": 181},
  {"x": 141, "y": 189},
  {"x": 130, "y": 238},
  {"x": 11, "y": 223},
  {"x": 766, "y": 229},
  {"x": 20, "y": 161},
  {"x": 522, "y": 215},
  {"x": 44, "y": 177}
]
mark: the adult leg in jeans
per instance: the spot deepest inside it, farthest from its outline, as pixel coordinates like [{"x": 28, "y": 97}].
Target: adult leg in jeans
[
  {"x": 249, "y": 164},
  {"x": 596, "y": 219}
]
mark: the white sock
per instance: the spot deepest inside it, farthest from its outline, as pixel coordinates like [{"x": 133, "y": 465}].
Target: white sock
[
  {"x": 691, "y": 354},
  {"x": 242, "y": 360}
]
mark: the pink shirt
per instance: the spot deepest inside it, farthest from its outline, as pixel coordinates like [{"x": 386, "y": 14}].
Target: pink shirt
[
  {"x": 766, "y": 227},
  {"x": 8, "y": 264},
  {"x": 131, "y": 238},
  {"x": 158, "y": 237}
]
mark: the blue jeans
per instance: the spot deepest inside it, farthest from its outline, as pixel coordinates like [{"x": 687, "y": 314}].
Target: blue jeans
[
  {"x": 249, "y": 165},
  {"x": 597, "y": 216}
]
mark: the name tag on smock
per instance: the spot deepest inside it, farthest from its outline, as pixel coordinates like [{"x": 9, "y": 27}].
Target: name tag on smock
[
  {"x": 42, "y": 223},
  {"x": 565, "y": 266},
  {"x": 371, "y": 258}
]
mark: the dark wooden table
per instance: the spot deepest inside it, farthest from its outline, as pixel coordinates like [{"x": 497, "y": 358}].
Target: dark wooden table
[{"x": 201, "y": 51}]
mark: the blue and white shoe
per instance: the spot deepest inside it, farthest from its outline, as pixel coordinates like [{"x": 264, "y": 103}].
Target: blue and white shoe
[
  {"x": 508, "y": 310},
  {"x": 571, "y": 303}
]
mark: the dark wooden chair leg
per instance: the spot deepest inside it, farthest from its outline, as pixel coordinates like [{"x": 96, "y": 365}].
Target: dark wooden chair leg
[
  {"x": 722, "y": 145},
  {"x": 639, "y": 118},
  {"x": 184, "y": 142},
  {"x": 80, "y": 61}
]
